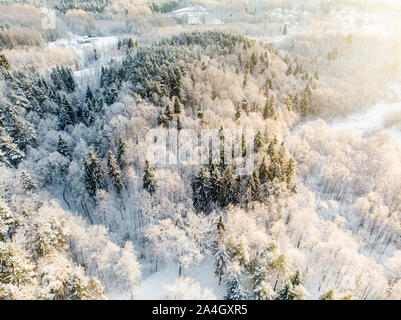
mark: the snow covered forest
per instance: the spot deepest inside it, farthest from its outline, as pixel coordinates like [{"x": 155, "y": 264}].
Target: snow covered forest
[{"x": 85, "y": 213}]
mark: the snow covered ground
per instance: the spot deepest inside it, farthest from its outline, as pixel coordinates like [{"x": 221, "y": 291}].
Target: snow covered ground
[
  {"x": 91, "y": 53},
  {"x": 195, "y": 16},
  {"x": 379, "y": 117},
  {"x": 167, "y": 276}
]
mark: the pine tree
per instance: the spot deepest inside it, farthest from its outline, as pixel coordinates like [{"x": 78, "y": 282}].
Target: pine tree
[
  {"x": 328, "y": 295},
  {"x": 94, "y": 174},
  {"x": 177, "y": 106},
  {"x": 258, "y": 142},
  {"x": 16, "y": 269},
  {"x": 27, "y": 182},
  {"x": 285, "y": 30},
  {"x": 222, "y": 257},
  {"x": 235, "y": 290},
  {"x": 289, "y": 172},
  {"x": 12, "y": 155},
  {"x": 179, "y": 123},
  {"x": 66, "y": 116},
  {"x": 114, "y": 172},
  {"x": 148, "y": 180},
  {"x": 215, "y": 183},
  {"x": 293, "y": 289},
  {"x": 63, "y": 148},
  {"x": 263, "y": 172},
  {"x": 237, "y": 112},
  {"x": 89, "y": 95},
  {"x": 4, "y": 64},
  {"x": 261, "y": 287},
  {"x": 122, "y": 153},
  {"x": 289, "y": 70},
  {"x": 269, "y": 111},
  {"x": 255, "y": 186},
  {"x": 201, "y": 191},
  {"x": 229, "y": 194},
  {"x": 7, "y": 220}
]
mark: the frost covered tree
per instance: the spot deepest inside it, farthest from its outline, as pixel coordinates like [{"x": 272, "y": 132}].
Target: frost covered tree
[
  {"x": 293, "y": 289},
  {"x": 235, "y": 291},
  {"x": 94, "y": 173},
  {"x": 114, "y": 172},
  {"x": 148, "y": 179}
]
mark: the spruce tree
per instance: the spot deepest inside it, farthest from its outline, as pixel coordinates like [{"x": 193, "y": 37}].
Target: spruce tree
[
  {"x": 258, "y": 142},
  {"x": 7, "y": 220},
  {"x": 27, "y": 182},
  {"x": 235, "y": 290},
  {"x": 215, "y": 183},
  {"x": 201, "y": 191},
  {"x": 94, "y": 174},
  {"x": 4, "y": 64},
  {"x": 177, "y": 106},
  {"x": 12, "y": 155},
  {"x": 179, "y": 123},
  {"x": 114, "y": 172},
  {"x": 263, "y": 172},
  {"x": 122, "y": 153},
  {"x": 328, "y": 295},
  {"x": 238, "y": 112},
  {"x": 229, "y": 194},
  {"x": 63, "y": 148},
  {"x": 148, "y": 179},
  {"x": 66, "y": 115}
]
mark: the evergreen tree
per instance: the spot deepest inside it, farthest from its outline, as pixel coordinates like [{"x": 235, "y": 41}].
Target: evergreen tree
[
  {"x": 261, "y": 287},
  {"x": 289, "y": 172},
  {"x": 63, "y": 148},
  {"x": 12, "y": 155},
  {"x": 94, "y": 174},
  {"x": 15, "y": 267},
  {"x": 328, "y": 295},
  {"x": 271, "y": 151},
  {"x": 88, "y": 95},
  {"x": 179, "y": 123},
  {"x": 7, "y": 220},
  {"x": 4, "y": 64},
  {"x": 177, "y": 106},
  {"x": 114, "y": 172},
  {"x": 201, "y": 191},
  {"x": 285, "y": 30},
  {"x": 229, "y": 194},
  {"x": 263, "y": 172},
  {"x": 122, "y": 153},
  {"x": 255, "y": 186},
  {"x": 27, "y": 182},
  {"x": 238, "y": 111},
  {"x": 215, "y": 183},
  {"x": 235, "y": 290},
  {"x": 222, "y": 257},
  {"x": 293, "y": 289},
  {"x": 270, "y": 109},
  {"x": 258, "y": 142},
  {"x": 148, "y": 180},
  {"x": 66, "y": 116}
]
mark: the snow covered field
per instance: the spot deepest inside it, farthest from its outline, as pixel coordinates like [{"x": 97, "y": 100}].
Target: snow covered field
[
  {"x": 196, "y": 16},
  {"x": 374, "y": 119}
]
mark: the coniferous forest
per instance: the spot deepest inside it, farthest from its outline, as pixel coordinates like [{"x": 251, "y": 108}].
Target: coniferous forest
[{"x": 305, "y": 94}]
